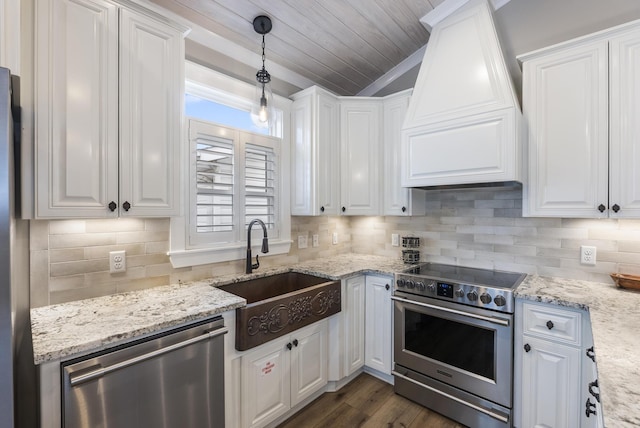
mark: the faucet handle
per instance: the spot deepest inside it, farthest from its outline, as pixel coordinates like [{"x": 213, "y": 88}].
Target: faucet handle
[{"x": 256, "y": 265}]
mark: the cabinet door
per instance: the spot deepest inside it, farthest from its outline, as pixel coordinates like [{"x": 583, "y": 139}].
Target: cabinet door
[
  {"x": 565, "y": 98},
  {"x": 397, "y": 200},
  {"x": 378, "y": 323},
  {"x": 624, "y": 171},
  {"x": 550, "y": 385},
  {"x": 266, "y": 383},
  {"x": 315, "y": 188},
  {"x": 76, "y": 95},
  {"x": 360, "y": 162},
  {"x": 354, "y": 325},
  {"x": 309, "y": 361},
  {"x": 151, "y": 100}
]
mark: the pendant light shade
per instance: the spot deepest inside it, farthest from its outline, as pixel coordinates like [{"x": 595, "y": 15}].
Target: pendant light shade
[{"x": 262, "y": 109}]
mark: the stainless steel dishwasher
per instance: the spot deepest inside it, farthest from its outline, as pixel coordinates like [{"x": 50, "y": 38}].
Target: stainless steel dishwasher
[{"x": 169, "y": 380}]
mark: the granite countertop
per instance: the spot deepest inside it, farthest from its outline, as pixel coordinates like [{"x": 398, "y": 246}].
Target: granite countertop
[
  {"x": 615, "y": 317},
  {"x": 71, "y": 329}
]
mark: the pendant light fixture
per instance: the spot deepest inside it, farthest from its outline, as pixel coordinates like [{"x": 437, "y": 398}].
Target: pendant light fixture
[{"x": 262, "y": 110}]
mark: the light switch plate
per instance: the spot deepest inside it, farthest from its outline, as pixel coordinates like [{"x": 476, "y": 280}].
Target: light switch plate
[
  {"x": 395, "y": 240},
  {"x": 334, "y": 238},
  {"x": 315, "y": 240}
]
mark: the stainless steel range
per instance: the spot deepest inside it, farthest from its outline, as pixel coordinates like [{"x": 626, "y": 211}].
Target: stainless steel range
[{"x": 453, "y": 341}]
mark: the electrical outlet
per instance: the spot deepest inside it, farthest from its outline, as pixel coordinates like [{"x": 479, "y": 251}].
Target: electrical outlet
[
  {"x": 587, "y": 255},
  {"x": 302, "y": 241},
  {"x": 117, "y": 261},
  {"x": 334, "y": 238},
  {"x": 395, "y": 240},
  {"x": 316, "y": 240}
]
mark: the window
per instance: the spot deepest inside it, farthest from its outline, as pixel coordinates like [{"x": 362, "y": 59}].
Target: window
[
  {"x": 234, "y": 178},
  {"x": 234, "y": 172}
]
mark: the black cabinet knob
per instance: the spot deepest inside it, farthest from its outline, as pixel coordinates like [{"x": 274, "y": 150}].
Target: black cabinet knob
[
  {"x": 295, "y": 342},
  {"x": 527, "y": 347},
  {"x": 112, "y": 206},
  {"x": 615, "y": 208},
  {"x": 386, "y": 287},
  {"x": 591, "y": 354},
  {"x": 343, "y": 209},
  {"x": 404, "y": 209},
  {"x": 590, "y": 408},
  {"x": 289, "y": 346},
  {"x": 321, "y": 209},
  {"x": 592, "y": 385},
  {"x": 601, "y": 208},
  {"x": 126, "y": 206},
  {"x": 549, "y": 325}
]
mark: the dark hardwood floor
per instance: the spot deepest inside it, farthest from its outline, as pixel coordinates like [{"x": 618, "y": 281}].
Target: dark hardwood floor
[{"x": 366, "y": 402}]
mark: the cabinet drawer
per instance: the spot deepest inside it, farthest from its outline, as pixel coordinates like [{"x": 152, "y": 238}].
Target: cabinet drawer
[{"x": 552, "y": 323}]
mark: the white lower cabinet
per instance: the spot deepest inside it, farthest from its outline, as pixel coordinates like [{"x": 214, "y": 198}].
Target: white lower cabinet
[
  {"x": 353, "y": 319},
  {"x": 378, "y": 323},
  {"x": 552, "y": 367},
  {"x": 280, "y": 374}
]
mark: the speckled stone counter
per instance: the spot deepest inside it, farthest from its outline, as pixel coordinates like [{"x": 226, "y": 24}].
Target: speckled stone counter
[
  {"x": 70, "y": 329},
  {"x": 615, "y": 319}
]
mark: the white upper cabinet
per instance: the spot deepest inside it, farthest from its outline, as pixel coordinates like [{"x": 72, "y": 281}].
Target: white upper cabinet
[
  {"x": 463, "y": 125},
  {"x": 108, "y": 111},
  {"x": 397, "y": 200},
  {"x": 315, "y": 184},
  {"x": 360, "y": 142},
  {"x": 580, "y": 103}
]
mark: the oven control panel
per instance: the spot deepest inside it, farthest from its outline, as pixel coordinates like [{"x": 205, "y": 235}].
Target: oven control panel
[{"x": 468, "y": 294}]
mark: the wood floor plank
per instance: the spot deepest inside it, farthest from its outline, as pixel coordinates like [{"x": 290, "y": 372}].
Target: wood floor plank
[{"x": 366, "y": 402}]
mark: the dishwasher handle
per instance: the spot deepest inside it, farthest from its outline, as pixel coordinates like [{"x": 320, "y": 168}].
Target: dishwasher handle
[{"x": 100, "y": 371}]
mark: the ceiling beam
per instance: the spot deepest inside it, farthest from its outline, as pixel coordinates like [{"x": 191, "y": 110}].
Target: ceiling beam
[{"x": 393, "y": 74}]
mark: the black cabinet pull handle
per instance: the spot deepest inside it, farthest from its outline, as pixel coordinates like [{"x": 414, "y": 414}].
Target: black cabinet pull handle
[
  {"x": 295, "y": 342},
  {"x": 590, "y": 408},
  {"x": 343, "y": 209},
  {"x": 591, "y": 354},
  {"x": 126, "y": 206},
  {"x": 289, "y": 346},
  {"x": 112, "y": 206},
  {"x": 321, "y": 209},
  {"x": 549, "y": 325},
  {"x": 404, "y": 209},
  {"x": 527, "y": 347},
  {"x": 615, "y": 208},
  {"x": 386, "y": 287},
  {"x": 601, "y": 208}
]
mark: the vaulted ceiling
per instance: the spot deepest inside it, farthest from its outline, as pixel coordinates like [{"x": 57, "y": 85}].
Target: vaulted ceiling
[{"x": 342, "y": 45}]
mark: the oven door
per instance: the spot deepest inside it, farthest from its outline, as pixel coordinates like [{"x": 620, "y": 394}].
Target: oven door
[{"x": 466, "y": 347}]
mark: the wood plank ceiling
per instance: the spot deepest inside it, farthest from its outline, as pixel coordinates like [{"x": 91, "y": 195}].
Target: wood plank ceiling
[{"x": 341, "y": 45}]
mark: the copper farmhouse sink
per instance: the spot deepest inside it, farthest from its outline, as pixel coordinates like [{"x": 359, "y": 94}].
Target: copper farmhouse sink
[{"x": 280, "y": 304}]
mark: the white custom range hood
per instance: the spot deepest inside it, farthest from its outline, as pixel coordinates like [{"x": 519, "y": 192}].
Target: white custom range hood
[{"x": 464, "y": 123}]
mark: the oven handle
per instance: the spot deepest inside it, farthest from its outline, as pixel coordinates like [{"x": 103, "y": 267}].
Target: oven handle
[
  {"x": 487, "y": 412},
  {"x": 453, "y": 311}
]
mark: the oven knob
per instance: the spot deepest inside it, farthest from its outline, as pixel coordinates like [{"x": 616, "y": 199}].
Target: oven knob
[
  {"x": 431, "y": 287},
  {"x": 485, "y": 298},
  {"x": 472, "y": 295},
  {"x": 420, "y": 286},
  {"x": 500, "y": 300},
  {"x": 401, "y": 282},
  {"x": 459, "y": 292},
  {"x": 411, "y": 284}
]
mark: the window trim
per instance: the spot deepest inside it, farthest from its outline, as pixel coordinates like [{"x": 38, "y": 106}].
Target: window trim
[{"x": 209, "y": 83}]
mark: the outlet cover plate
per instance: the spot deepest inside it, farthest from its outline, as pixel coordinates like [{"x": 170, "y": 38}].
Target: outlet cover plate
[
  {"x": 588, "y": 255},
  {"x": 302, "y": 241},
  {"x": 315, "y": 240},
  {"x": 395, "y": 240},
  {"x": 117, "y": 261}
]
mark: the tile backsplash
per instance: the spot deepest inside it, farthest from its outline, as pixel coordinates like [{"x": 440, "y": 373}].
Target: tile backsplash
[{"x": 481, "y": 228}]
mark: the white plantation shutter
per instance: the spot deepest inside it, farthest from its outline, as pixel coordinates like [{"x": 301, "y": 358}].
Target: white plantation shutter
[
  {"x": 260, "y": 184},
  {"x": 234, "y": 179}
]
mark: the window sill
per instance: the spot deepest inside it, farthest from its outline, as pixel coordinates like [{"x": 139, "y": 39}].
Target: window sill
[{"x": 203, "y": 256}]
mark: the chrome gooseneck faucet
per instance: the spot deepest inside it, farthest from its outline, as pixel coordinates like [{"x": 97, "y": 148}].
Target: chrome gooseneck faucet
[{"x": 265, "y": 245}]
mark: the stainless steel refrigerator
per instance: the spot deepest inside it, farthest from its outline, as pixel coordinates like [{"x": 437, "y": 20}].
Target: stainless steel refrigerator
[{"x": 17, "y": 373}]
